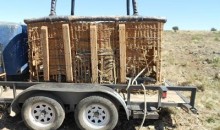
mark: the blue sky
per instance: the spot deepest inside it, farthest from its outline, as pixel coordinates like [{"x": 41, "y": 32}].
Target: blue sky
[{"x": 186, "y": 14}]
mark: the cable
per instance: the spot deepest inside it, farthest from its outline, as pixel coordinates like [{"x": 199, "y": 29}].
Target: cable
[
  {"x": 145, "y": 108},
  {"x": 138, "y": 75},
  {"x": 129, "y": 83},
  {"x": 145, "y": 103}
]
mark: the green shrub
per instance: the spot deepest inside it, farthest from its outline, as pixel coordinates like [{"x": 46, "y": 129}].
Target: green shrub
[
  {"x": 213, "y": 29},
  {"x": 175, "y": 28},
  {"x": 210, "y": 120}
]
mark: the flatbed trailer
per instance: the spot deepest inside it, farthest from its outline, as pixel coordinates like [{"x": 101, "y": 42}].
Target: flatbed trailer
[{"x": 70, "y": 95}]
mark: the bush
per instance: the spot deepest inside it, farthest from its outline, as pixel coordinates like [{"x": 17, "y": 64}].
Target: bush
[
  {"x": 213, "y": 29},
  {"x": 175, "y": 28}
]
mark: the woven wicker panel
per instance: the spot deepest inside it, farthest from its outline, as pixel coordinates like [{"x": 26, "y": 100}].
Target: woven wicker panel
[
  {"x": 80, "y": 42},
  {"x": 56, "y": 51},
  {"x": 35, "y": 53},
  {"x": 143, "y": 49},
  {"x": 107, "y": 47}
]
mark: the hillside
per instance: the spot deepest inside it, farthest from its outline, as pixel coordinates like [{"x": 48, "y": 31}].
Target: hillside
[
  {"x": 189, "y": 58},
  {"x": 193, "y": 58}
]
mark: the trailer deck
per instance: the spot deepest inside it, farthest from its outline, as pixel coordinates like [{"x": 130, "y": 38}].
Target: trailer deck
[
  {"x": 134, "y": 100},
  {"x": 8, "y": 96},
  {"x": 172, "y": 97}
]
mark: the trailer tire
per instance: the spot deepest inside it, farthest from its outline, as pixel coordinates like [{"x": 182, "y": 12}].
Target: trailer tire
[
  {"x": 96, "y": 113},
  {"x": 42, "y": 113}
]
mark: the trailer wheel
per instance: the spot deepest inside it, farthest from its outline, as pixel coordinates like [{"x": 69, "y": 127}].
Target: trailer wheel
[
  {"x": 96, "y": 113},
  {"x": 42, "y": 113}
]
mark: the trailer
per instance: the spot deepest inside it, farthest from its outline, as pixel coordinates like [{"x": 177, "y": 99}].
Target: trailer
[
  {"x": 94, "y": 67},
  {"x": 44, "y": 105}
]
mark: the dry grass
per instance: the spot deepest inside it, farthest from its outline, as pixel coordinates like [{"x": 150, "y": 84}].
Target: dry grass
[{"x": 195, "y": 61}]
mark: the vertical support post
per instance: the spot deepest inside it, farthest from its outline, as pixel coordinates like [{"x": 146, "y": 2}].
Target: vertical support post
[
  {"x": 192, "y": 98},
  {"x": 53, "y": 8},
  {"x": 122, "y": 49},
  {"x": 68, "y": 53},
  {"x": 135, "y": 11},
  {"x": 73, "y": 7},
  {"x": 159, "y": 56},
  {"x": 14, "y": 91},
  {"x": 160, "y": 52},
  {"x": 159, "y": 98},
  {"x": 129, "y": 98},
  {"x": 128, "y": 7},
  {"x": 94, "y": 53},
  {"x": 45, "y": 45}
]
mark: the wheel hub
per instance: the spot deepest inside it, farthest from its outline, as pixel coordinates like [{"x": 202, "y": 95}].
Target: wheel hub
[
  {"x": 43, "y": 113},
  {"x": 97, "y": 115}
]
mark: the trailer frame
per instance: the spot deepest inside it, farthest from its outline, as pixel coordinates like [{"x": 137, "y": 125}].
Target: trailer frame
[{"x": 189, "y": 103}]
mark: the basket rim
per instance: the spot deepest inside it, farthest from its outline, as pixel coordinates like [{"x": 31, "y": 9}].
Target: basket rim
[{"x": 94, "y": 19}]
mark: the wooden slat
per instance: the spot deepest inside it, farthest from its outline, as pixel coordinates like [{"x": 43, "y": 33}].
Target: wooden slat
[
  {"x": 159, "y": 57},
  {"x": 122, "y": 48},
  {"x": 157, "y": 53},
  {"x": 68, "y": 54},
  {"x": 45, "y": 45},
  {"x": 94, "y": 53}
]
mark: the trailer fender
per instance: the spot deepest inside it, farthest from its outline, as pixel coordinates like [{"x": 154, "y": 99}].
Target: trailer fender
[{"x": 66, "y": 87}]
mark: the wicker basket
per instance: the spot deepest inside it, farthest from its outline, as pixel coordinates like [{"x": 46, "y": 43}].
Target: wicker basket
[{"x": 94, "y": 49}]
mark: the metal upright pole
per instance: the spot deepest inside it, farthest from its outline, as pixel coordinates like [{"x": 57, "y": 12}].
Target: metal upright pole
[
  {"x": 53, "y": 7},
  {"x": 128, "y": 7},
  {"x": 135, "y": 12},
  {"x": 73, "y": 7}
]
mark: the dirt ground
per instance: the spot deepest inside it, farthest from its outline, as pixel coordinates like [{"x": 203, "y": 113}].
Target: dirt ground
[{"x": 189, "y": 58}]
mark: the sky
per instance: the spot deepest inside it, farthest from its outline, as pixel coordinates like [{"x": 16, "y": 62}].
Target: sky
[{"x": 186, "y": 14}]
